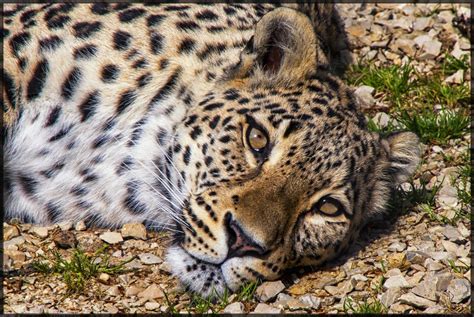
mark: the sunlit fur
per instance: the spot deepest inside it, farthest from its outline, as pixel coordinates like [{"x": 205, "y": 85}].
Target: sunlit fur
[{"x": 117, "y": 113}]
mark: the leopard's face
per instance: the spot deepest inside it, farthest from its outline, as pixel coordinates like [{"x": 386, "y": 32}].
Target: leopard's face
[
  {"x": 280, "y": 167},
  {"x": 277, "y": 179}
]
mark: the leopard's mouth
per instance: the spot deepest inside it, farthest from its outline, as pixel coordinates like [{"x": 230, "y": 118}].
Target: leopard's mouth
[{"x": 202, "y": 260}]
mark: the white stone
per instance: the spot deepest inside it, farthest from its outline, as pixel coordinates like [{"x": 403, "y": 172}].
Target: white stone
[
  {"x": 114, "y": 290},
  {"x": 134, "y": 230},
  {"x": 403, "y": 23},
  {"x": 80, "y": 226},
  {"x": 152, "y": 305},
  {"x": 133, "y": 290},
  {"x": 447, "y": 195},
  {"x": 457, "y": 51},
  {"x": 295, "y": 304},
  {"x": 104, "y": 277},
  {"x": 41, "y": 232},
  {"x": 443, "y": 280},
  {"x": 456, "y": 78},
  {"x": 10, "y": 232},
  {"x": 464, "y": 44},
  {"x": 465, "y": 233},
  {"x": 433, "y": 265},
  {"x": 441, "y": 255},
  {"x": 422, "y": 39},
  {"x": 426, "y": 289},
  {"x": 436, "y": 309},
  {"x": 65, "y": 226},
  {"x": 407, "y": 46},
  {"x": 452, "y": 233},
  {"x": 463, "y": 12},
  {"x": 416, "y": 301},
  {"x": 396, "y": 281},
  {"x": 267, "y": 309},
  {"x": 13, "y": 242},
  {"x": 117, "y": 254},
  {"x": 459, "y": 289},
  {"x": 359, "y": 277},
  {"x": 134, "y": 264},
  {"x": 269, "y": 290},
  {"x": 310, "y": 300},
  {"x": 390, "y": 296},
  {"x": 111, "y": 237},
  {"x": 422, "y": 23},
  {"x": 445, "y": 17},
  {"x": 19, "y": 309},
  {"x": 364, "y": 93},
  {"x": 148, "y": 258},
  {"x": 431, "y": 49},
  {"x": 397, "y": 247},
  {"x": 468, "y": 275},
  {"x": 381, "y": 119},
  {"x": 151, "y": 292},
  {"x": 283, "y": 297},
  {"x": 417, "y": 277},
  {"x": 393, "y": 272},
  {"x": 234, "y": 308}
]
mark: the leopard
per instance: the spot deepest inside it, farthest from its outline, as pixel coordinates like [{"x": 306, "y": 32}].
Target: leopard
[{"x": 227, "y": 125}]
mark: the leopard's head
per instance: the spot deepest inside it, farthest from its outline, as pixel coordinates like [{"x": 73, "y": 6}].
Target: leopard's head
[{"x": 281, "y": 168}]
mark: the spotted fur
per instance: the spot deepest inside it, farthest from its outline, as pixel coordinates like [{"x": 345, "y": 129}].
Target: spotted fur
[{"x": 116, "y": 113}]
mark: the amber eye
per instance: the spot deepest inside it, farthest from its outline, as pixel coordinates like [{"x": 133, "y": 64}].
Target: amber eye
[
  {"x": 257, "y": 139},
  {"x": 328, "y": 206}
]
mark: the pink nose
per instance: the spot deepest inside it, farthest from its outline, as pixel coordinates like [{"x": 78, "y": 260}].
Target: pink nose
[{"x": 239, "y": 243}]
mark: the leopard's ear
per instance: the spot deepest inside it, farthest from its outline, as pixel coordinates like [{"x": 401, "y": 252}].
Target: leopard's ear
[{"x": 283, "y": 50}]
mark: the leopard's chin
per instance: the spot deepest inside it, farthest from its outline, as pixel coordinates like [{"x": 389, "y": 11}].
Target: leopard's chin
[
  {"x": 198, "y": 276},
  {"x": 212, "y": 280}
]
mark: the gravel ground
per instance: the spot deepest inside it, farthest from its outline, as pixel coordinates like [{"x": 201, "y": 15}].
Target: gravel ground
[{"x": 408, "y": 264}]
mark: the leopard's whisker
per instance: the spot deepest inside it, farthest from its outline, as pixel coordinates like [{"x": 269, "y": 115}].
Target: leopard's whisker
[
  {"x": 174, "y": 166},
  {"x": 166, "y": 185},
  {"x": 170, "y": 212}
]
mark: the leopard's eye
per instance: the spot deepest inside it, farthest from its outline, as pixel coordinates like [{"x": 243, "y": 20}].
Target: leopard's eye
[
  {"x": 328, "y": 206},
  {"x": 257, "y": 139}
]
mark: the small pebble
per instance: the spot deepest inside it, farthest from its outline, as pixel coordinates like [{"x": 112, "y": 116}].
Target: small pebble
[
  {"x": 111, "y": 237},
  {"x": 134, "y": 230},
  {"x": 269, "y": 290},
  {"x": 311, "y": 300},
  {"x": 10, "y": 232},
  {"x": 263, "y": 308},
  {"x": 65, "y": 226},
  {"x": 459, "y": 289},
  {"x": 396, "y": 281},
  {"x": 152, "y": 305},
  {"x": 151, "y": 292},
  {"x": 104, "y": 277},
  {"x": 80, "y": 226},
  {"x": 148, "y": 258},
  {"x": 234, "y": 308},
  {"x": 414, "y": 300},
  {"x": 41, "y": 232}
]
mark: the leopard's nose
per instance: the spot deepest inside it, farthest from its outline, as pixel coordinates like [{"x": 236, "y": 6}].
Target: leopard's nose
[{"x": 240, "y": 244}]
